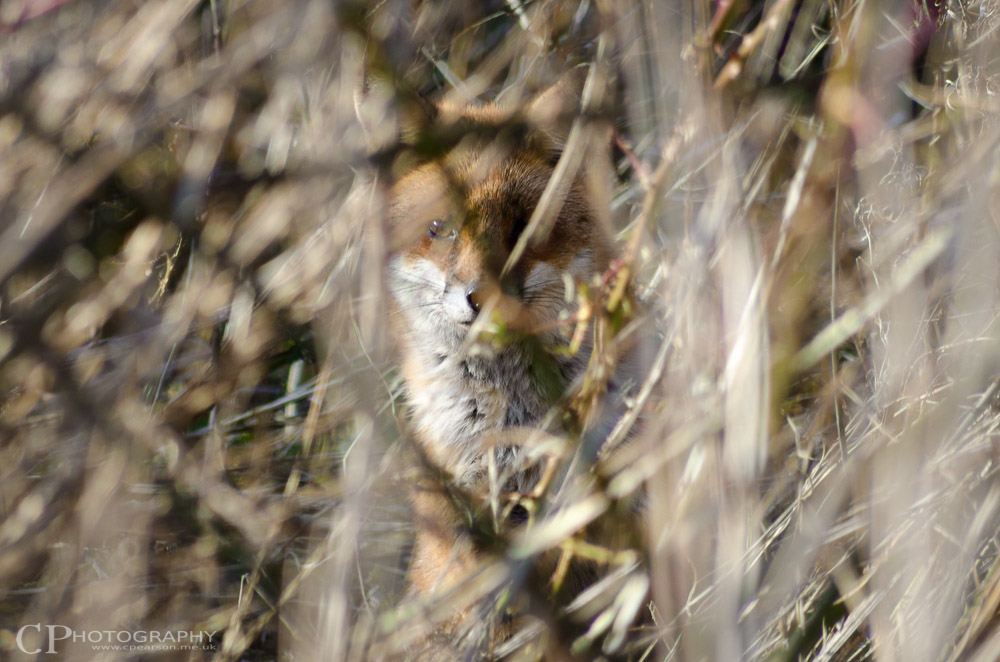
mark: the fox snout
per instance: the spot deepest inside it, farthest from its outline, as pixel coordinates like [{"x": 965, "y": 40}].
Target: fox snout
[{"x": 463, "y": 301}]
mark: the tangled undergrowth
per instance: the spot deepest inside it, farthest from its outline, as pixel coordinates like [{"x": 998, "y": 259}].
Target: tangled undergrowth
[{"x": 201, "y": 419}]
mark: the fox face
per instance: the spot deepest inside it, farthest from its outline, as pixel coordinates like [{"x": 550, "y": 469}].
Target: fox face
[{"x": 468, "y": 221}]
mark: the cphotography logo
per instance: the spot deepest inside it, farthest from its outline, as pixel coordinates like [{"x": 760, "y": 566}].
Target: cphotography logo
[{"x": 111, "y": 640}]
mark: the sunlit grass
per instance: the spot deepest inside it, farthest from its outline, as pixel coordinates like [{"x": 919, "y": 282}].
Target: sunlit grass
[{"x": 203, "y": 426}]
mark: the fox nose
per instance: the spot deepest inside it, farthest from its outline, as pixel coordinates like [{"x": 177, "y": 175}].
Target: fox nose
[{"x": 474, "y": 297}]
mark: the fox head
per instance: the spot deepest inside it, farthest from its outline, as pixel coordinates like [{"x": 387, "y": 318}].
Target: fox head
[{"x": 458, "y": 221}]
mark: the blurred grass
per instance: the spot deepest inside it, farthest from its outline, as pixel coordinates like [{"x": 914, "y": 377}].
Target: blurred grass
[{"x": 202, "y": 427}]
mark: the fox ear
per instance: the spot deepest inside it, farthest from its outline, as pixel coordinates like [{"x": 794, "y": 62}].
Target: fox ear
[{"x": 553, "y": 110}]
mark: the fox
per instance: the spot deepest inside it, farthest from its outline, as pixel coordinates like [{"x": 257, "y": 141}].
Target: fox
[{"x": 482, "y": 316}]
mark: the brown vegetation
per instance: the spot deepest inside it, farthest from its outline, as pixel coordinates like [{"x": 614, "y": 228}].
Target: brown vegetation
[{"x": 201, "y": 421}]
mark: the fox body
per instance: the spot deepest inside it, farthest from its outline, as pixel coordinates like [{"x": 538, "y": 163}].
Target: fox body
[{"x": 457, "y": 221}]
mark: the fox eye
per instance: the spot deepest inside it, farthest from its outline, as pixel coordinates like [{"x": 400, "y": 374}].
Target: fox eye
[
  {"x": 436, "y": 229},
  {"x": 515, "y": 231}
]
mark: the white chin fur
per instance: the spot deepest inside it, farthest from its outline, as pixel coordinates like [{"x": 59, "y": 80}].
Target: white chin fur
[
  {"x": 423, "y": 291},
  {"x": 420, "y": 289}
]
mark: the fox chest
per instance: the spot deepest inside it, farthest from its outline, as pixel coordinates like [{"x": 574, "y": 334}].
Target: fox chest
[{"x": 456, "y": 400}]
